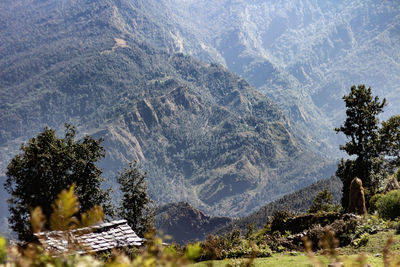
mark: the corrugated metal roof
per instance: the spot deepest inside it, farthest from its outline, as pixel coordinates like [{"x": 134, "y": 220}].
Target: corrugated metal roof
[{"x": 100, "y": 237}]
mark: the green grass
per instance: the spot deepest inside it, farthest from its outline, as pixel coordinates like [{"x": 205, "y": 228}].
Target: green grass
[
  {"x": 375, "y": 244},
  {"x": 349, "y": 255},
  {"x": 291, "y": 261},
  {"x": 275, "y": 260}
]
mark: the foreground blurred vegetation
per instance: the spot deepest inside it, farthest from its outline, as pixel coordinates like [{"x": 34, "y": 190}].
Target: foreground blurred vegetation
[
  {"x": 341, "y": 237},
  {"x": 64, "y": 218}
]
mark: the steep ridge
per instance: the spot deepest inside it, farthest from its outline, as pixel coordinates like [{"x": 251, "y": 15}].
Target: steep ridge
[
  {"x": 303, "y": 54},
  {"x": 184, "y": 223},
  {"x": 217, "y": 149},
  {"x": 203, "y": 134},
  {"x": 298, "y": 201}
]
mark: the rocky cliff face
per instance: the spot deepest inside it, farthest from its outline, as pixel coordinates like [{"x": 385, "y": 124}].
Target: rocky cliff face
[
  {"x": 303, "y": 54},
  {"x": 184, "y": 223},
  {"x": 112, "y": 68}
]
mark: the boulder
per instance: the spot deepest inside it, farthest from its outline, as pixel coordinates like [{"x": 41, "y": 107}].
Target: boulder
[{"x": 356, "y": 197}]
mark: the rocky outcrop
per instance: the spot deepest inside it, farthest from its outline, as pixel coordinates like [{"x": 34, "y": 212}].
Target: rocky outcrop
[
  {"x": 356, "y": 197},
  {"x": 185, "y": 223},
  {"x": 391, "y": 185}
]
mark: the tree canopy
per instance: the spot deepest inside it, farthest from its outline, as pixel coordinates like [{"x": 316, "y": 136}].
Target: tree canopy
[
  {"x": 46, "y": 166},
  {"x": 362, "y": 124},
  {"x": 323, "y": 202},
  {"x": 370, "y": 142},
  {"x": 136, "y": 206}
]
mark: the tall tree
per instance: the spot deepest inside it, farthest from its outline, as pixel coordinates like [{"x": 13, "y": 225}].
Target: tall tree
[
  {"x": 136, "y": 206},
  {"x": 323, "y": 202},
  {"x": 362, "y": 124},
  {"x": 368, "y": 141},
  {"x": 46, "y": 166},
  {"x": 390, "y": 139},
  {"x": 361, "y": 128}
]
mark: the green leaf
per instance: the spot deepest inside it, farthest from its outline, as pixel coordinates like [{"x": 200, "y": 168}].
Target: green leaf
[
  {"x": 3, "y": 251},
  {"x": 64, "y": 208},
  {"x": 38, "y": 220}
]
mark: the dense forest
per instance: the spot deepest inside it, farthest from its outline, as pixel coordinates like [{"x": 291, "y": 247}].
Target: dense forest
[{"x": 203, "y": 134}]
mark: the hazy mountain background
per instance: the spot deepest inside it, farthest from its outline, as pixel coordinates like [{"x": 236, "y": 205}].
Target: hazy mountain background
[
  {"x": 303, "y": 54},
  {"x": 184, "y": 223},
  {"x": 298, "y": 202},
  {"x": 203, "y": 134},
  {"x": 132, "y": 72}
]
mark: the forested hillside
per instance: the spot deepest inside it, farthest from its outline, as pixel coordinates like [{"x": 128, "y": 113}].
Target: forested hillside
[
  {"x": 303, "y": 54},
  {"x": 297, "y": 202},
  {"x": 185, "y": 223},
  {"x": 203, "y": 134}
]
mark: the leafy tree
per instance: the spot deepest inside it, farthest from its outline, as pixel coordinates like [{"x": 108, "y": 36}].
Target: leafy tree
[
  {"x": 323, "y": 202},
  {"x": 46, "y": 166},
  {"x": 369, "y": 142},
  {"x": 136, "y": 206},
  {"x": 388, "y": 205},
  {"x": 390, "y": 139},
  {"x": 362, "y": 124}
]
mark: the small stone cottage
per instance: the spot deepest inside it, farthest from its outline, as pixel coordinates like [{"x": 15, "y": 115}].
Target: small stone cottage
[{"x": 102, "y": 237}]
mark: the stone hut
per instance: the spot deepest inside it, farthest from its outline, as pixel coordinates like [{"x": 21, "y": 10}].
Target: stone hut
[{"x": 96, "y": 238}]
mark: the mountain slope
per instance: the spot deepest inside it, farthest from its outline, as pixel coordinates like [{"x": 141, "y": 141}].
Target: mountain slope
[
  {"x": 298, "y": 201},
  {"x": 203, "y": 134},
  {"x": 219, "y": 144},
  {"x": 186, "y": 224},
  {"x": 303, "y": 54}
]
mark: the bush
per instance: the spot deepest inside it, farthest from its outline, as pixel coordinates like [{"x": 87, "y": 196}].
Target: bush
[
  {"x": 344, "y": 229},
  {"x": 323, "y": 202},
  {"x": 314, "y": 235},
  {"x": 362, "y": 241},
  {"x": 373, "y": 202},
  {"x": 397, "y": 227},
  {"x": 388, "y": 205},
  {"x": 213, "y": 248},
  {"x": 248, "y": 249},
  {"x": 279, "y": 219},
  {"x": 3, "y": 253},
  {"x": 233, "y": 245},
  {"x": 303, "y": 222}
]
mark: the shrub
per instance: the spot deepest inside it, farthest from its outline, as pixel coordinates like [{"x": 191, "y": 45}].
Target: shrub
[
  {"x": 344, "y": 229},
  {"x": 370, "y": 224},
  {"x": 362, "y": 241},
  {"x": 248, "y": 249},
  {"x": 397, "y": 227},
  {"x": 388, "y": 206},
  {"x": 303, "y": 222},
  {"x": 374, "y": 201},
  {"x": 314, "y": 235},
  {"x": 264, "y": 251},
  {"x": 323, "y": 202},
  {"x": 279, "y": 219},
  {"x": 212, "y": 248},
  {"x": 3, "y": 253}
]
